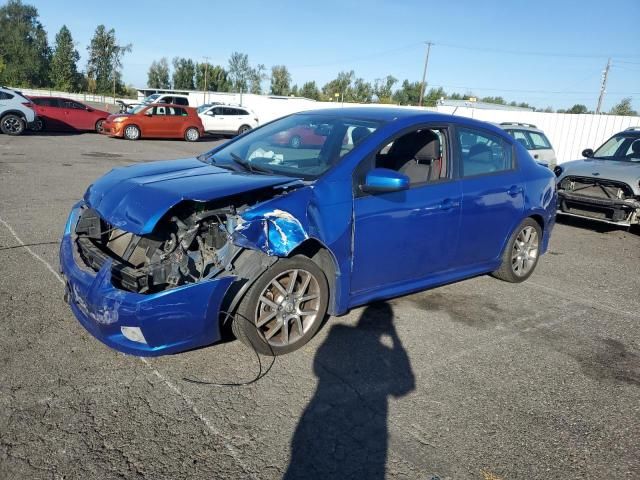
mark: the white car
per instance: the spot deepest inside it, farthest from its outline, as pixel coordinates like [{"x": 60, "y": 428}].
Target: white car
[
  {"x": 174, "y": 99},
  {"x": 227, "y": 119},
  {"x": 533, "y": 140},
  {"x": 16, "y": 113}
]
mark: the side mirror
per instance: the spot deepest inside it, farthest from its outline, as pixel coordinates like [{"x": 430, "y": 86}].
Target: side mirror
[
  {"x": 587, "y": 153},
  {"x": 381, "y": 180}
]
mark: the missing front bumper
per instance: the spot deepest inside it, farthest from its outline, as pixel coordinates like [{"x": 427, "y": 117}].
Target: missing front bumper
[{"x": 613, "y": 211}]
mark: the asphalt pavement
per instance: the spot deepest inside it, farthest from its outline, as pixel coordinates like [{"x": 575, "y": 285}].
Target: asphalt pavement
[{"x": 476, "y": 380}]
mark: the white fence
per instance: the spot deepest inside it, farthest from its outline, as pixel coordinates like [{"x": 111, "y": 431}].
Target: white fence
[
  {"x": 83, "y": 97},
  {"x": 569, "y": 134}
]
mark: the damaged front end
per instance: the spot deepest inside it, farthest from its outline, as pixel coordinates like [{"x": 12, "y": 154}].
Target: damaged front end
[
  {"x": 162, "y": 292},
  {"x": 605, "y": 200}
]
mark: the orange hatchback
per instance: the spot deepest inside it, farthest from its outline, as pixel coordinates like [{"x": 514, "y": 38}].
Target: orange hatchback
[{"x": 155, "y": 121}]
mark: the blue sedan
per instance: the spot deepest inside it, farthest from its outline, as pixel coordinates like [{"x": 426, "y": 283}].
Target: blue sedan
[{"x": 158, "y": 257}]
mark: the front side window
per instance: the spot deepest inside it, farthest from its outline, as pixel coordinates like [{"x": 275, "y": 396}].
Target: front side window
[
  {"x": 302, "y": 145},
  {"x": 483, "y": 152}
]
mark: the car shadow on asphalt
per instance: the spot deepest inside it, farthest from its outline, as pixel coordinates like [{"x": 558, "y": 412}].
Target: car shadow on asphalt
[{"x": 343, "y": 431}]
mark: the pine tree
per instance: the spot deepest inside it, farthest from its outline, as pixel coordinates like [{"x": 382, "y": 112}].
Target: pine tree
[
  {"x": 158, "y": 75},
  {"x": 64, "y": 70},
  {"x": 105, "y": 61}
]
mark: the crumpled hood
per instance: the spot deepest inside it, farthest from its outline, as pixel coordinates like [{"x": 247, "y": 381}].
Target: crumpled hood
[
  {"x": 134, "y": 198},
  {"x": 627, "y": 172}
]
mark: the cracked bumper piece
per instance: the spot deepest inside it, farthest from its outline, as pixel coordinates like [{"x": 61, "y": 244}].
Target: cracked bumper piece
[{"x": 168, "y": 322}]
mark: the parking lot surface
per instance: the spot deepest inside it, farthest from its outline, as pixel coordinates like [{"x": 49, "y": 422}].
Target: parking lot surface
[{"x": 476, "y": 380}]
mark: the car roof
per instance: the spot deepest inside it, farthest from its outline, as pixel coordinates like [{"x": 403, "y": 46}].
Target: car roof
[
  {"x": 519, "y": 126},
  {"x": 391, "y": 114},
  {"x": 168, "y": 105}
]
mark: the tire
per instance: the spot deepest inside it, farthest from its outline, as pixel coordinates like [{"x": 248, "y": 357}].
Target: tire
[
  {"x": 131, "y": 132},
  {"x": 295, "y": 141},
  {"x": 265, "y": 310},
  {"x": 521, "y": 256},
  {"x": 192, "y": 134},
  {"x": 12, "y": 124},
  {"x": 99, "y": 125},
  {"x": 38, "y": 125},
  {"x": 243, "y": 129}
]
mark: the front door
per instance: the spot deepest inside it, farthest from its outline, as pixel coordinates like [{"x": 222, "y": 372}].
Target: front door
[{"x": 411, "y": 234}]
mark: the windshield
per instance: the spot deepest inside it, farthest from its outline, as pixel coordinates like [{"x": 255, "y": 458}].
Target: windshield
[
  {"x": 151, "y": 98},
  {"x": 620, "y": 148},
  {"x": 302, "y": 145}
]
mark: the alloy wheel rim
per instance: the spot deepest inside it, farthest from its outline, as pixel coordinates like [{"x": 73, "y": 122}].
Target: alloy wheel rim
[
  {"x": 99, "y": 126},
  {"x": 295, "y": 142},
  {"x": 192, "y": 134},
  {"x": 12, "y": 125},
  {"x": 288, "y": 307},
  {"x": 525, "y": 251},
  {"x": 132, "y": 132}
]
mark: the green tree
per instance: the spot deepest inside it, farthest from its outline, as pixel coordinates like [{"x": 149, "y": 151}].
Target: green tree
[
  {"x": 310, "y": 90},
  {"x": 578, "y": 108},
  {"x": 158, "y": 74},
  {"x": 623, "y": 108},
  {"x": 239, "y": 71},
  {"x": 383, "y": 88},
  {"x": 184, "y": 71},
  {"x": 433, "y": 95},
  {"x": 496, "y": 100},
  {"x": 105, "y": 61},
  {"x": 280, "y": 80},
  {"x": 408, "y": 93},
  {"x": 294, "y": 91},
  {"x": 256, "y": 76},
  {"x": 64, "y": 69},
  {"x": 217, "y": 78},
  {"x": 361, "y": 92},
  {"x": 23, "y": 46},
  {"x": 340, "y": 85}
]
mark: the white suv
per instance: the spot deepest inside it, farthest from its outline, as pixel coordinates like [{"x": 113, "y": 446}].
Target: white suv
[
  {"x": 16, "y": 113},
  {"x": 174, "y": 99},
  {"x": 227, "y": 119},
  {"x": 534, "y": 140}
]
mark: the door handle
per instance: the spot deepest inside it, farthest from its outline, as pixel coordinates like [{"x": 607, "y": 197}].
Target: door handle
[
  {"x": 448, "y": 204},
  {"x": 514, "y": 191}
]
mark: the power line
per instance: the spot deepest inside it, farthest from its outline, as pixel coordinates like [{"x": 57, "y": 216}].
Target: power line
[
  {"x": 463, "y": 87},
  {"x": 541, "y": 54}
]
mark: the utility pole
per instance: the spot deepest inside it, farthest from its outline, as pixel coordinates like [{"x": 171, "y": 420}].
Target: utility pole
[
  {"x": 424, "y": 74},
  {"x": 206, "y": 70},
  {"x": 603, "y": 87}
]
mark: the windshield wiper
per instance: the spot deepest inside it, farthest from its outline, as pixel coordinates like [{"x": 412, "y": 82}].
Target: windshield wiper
[{"x": 246, "y": 164}]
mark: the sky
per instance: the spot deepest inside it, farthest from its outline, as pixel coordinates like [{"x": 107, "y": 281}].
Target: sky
[{"x": 546, "y": 53}]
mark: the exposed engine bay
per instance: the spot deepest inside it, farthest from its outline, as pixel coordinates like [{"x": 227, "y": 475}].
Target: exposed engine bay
[
  {"x": 600, "y": 199},
  {"x": 191, "y": 244}
]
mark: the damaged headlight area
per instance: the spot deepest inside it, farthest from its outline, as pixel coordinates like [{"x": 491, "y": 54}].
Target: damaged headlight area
[{"x": 190, "y": 244}]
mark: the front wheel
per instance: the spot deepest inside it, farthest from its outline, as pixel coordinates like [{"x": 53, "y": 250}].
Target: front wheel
[
  {"x": 38, "y": 125},
  {"x": 520, "y": 258},
  {"x": 295, "y": 142},
  {"x": 100, "y": 125},
  {"x": 131, "y": 132},
  {"x": 192, "y": 135},
  {"x": 284, "y": 308},
  {"x": 12, "y": 125}
]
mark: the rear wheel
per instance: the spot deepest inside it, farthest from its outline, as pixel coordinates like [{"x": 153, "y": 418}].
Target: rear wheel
[
  {"x": 243, "y": 129},
  {"x": 12, "y": 125},
  {"x": 38, "y": 125},
  {"x": 131, "y": 132},
  {"x": 284, "y": 308},
  {"x": 520, "y": 258},
  {"x": 192, "y": 134},
  {"x": 99, "y": 125},
  {"x": 295, "y": 142}
]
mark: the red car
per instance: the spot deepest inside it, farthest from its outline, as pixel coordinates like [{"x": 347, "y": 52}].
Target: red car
[
  {"x": 57, "y": 113},
  {"x": 158, "y": 120},
  {"x": 302, "y": 136}
]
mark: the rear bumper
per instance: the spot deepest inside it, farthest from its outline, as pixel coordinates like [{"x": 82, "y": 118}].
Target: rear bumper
[
  {"x": 171, "y": 321},
  {"x": 608, "y": 210}
]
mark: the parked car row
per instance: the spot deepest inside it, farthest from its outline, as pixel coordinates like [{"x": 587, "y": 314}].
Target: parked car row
[{"x": 151, "y": 119}]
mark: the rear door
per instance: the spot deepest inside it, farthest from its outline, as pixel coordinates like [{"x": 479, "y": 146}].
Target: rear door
[
  {"x": 176, "y": 118},
  {"x": 77, "y": 115},
  {"x": 492, "y": 195}
]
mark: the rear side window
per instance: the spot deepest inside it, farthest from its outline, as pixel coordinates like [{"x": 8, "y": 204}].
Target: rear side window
[
  {"x": 181, "y": 112},
  {"x": 46, "y": 102},
  {"x": 242, "y": 112},
  {"x": 230, "y": 111},
  {"x": 539, "y": 141},
  {"x": 483, "y": 153},
  {"x": 5, "y": 96},
  {"x": 181, "y": 101}
]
